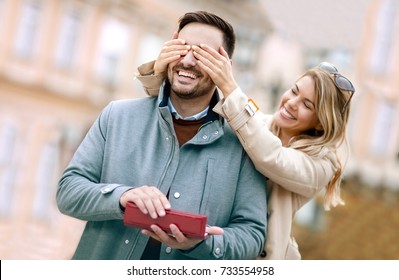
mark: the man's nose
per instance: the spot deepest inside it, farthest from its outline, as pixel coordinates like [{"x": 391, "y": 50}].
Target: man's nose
[{"x": 189, "y": 59}]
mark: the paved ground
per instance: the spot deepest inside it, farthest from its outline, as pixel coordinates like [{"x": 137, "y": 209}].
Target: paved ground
[{"x": 367, "y": 227}]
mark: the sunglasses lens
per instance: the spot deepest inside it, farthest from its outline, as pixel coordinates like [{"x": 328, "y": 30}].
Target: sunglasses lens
[
  {"x": 340, "y": 81},
  {"x": 328, "y": 67},
  {"x": 343, "y": 83}
]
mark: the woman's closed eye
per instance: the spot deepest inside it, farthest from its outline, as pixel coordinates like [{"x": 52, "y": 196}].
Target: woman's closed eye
[{"x": 308, "y": 105}]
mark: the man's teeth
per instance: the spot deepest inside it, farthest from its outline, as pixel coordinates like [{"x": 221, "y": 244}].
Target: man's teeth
[{"x": 186, "y": 74}]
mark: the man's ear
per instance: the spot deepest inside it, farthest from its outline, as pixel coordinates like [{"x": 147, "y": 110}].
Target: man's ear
[{"x": 231, "y": 62}]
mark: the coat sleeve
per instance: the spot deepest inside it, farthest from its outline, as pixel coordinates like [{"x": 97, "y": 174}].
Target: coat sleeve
[
  {"x": 291, "y": 169},
  {"x": 80, "y": 193},
  {"x": 150, "y": 82}
]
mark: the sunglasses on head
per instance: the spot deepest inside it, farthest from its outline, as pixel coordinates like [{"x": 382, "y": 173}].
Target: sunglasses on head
[{"x": 340, "y": 81}]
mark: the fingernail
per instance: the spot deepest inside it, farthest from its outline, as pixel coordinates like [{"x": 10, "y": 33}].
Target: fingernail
[{"x": 154, "y": 228}]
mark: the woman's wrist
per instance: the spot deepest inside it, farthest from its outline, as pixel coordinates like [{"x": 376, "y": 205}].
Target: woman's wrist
[{"x": 226, "y": 91}]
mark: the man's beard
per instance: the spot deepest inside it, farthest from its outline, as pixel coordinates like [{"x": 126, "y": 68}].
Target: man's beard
[
  {"x": 183, "y": 92},
  {"x": 192, "y": 92}
]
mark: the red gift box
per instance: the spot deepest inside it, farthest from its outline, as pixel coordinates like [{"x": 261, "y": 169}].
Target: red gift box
[{"x": 190, "y": 224}]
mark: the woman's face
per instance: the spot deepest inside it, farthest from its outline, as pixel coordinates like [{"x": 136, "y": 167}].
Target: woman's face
[{"x": 297, "y": 111}]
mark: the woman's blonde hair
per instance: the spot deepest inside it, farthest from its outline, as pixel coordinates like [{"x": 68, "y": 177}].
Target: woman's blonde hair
[{"x": 333, "y": 117}]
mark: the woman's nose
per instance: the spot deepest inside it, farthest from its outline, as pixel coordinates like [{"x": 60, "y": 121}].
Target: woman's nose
[{"x": 292, "y": 102}]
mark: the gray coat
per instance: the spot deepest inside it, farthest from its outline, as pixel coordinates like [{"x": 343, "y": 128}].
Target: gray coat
[{"x": 132, "y": 143}]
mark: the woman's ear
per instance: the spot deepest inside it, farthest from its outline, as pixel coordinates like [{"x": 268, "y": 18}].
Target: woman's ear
[{"x": 319, "y": 127}]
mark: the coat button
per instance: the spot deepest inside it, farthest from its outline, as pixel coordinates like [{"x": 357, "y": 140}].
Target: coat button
[
  {"x": 217, "y": 251},
  {"x": 105, "y": 190},
  {"x": 263, "y": 254},
  {"x": 176, "y": 195},
  {"x": 168, "y": 250},
  {"x": 127, "y": 241}
]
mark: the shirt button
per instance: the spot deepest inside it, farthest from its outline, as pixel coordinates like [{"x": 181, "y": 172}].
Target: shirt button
[
  {"x": 168, "y": 250},
  {"x": 217, "y": 251},
  {"x": 176, "y": 195},
  {"x": 126, "y": 241}
]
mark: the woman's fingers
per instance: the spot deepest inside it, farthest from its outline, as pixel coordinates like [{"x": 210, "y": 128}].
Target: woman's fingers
[{"x": 171, "y": 51}]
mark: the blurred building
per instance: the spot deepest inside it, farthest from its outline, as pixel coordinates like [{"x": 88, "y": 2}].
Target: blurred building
[
  {"x": 374, "y": 131},
  {"x": 61, "y": 62}
]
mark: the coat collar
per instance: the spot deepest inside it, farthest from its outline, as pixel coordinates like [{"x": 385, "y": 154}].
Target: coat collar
[{"x": 164, "y": 93}]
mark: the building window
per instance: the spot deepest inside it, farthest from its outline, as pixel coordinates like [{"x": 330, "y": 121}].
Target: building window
[
  {"x": 67, "y": 41},
  {"x": 113, "y": 43},
  {"x": 382, "y": 49},
  {"x": 8, "y": 137},
  {"x": 45, "y": 180},
  {"x": 27, "y": 29},
  {"x": 1, "y": 8},
  {"x": 150, "y": 46},
  {"x": 381, "y": 133}
]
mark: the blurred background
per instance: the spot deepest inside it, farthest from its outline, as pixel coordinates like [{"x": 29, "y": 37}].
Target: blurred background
[{"x": 62, "y": 61}]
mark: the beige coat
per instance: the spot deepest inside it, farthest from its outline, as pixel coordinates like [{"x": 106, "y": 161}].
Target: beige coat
[{"x": 294, "y": 177}]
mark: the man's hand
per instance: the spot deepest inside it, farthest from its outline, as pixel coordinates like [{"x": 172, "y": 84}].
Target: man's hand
[
  {"x": 171, "y": 51},
  {"x": 150, "y": 200},
  {"x": 177, "y": 240}
]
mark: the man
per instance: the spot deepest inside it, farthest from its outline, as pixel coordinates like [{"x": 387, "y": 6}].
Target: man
[{"x": 167, "y": 152}]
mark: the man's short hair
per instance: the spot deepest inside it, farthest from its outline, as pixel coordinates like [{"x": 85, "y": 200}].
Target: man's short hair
[{"x": 229, "y": 36}]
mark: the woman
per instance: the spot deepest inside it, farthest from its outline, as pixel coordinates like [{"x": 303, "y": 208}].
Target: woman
[{"x": 297, "y": 148}]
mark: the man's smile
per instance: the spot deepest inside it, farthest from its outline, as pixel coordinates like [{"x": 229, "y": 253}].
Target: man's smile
[{"x": 182, "y": 73}]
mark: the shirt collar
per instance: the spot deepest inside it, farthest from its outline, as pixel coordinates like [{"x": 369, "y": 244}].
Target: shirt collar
[
  {"x": 164, "y": 100},
  {"x": 177, "y": 116}
]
